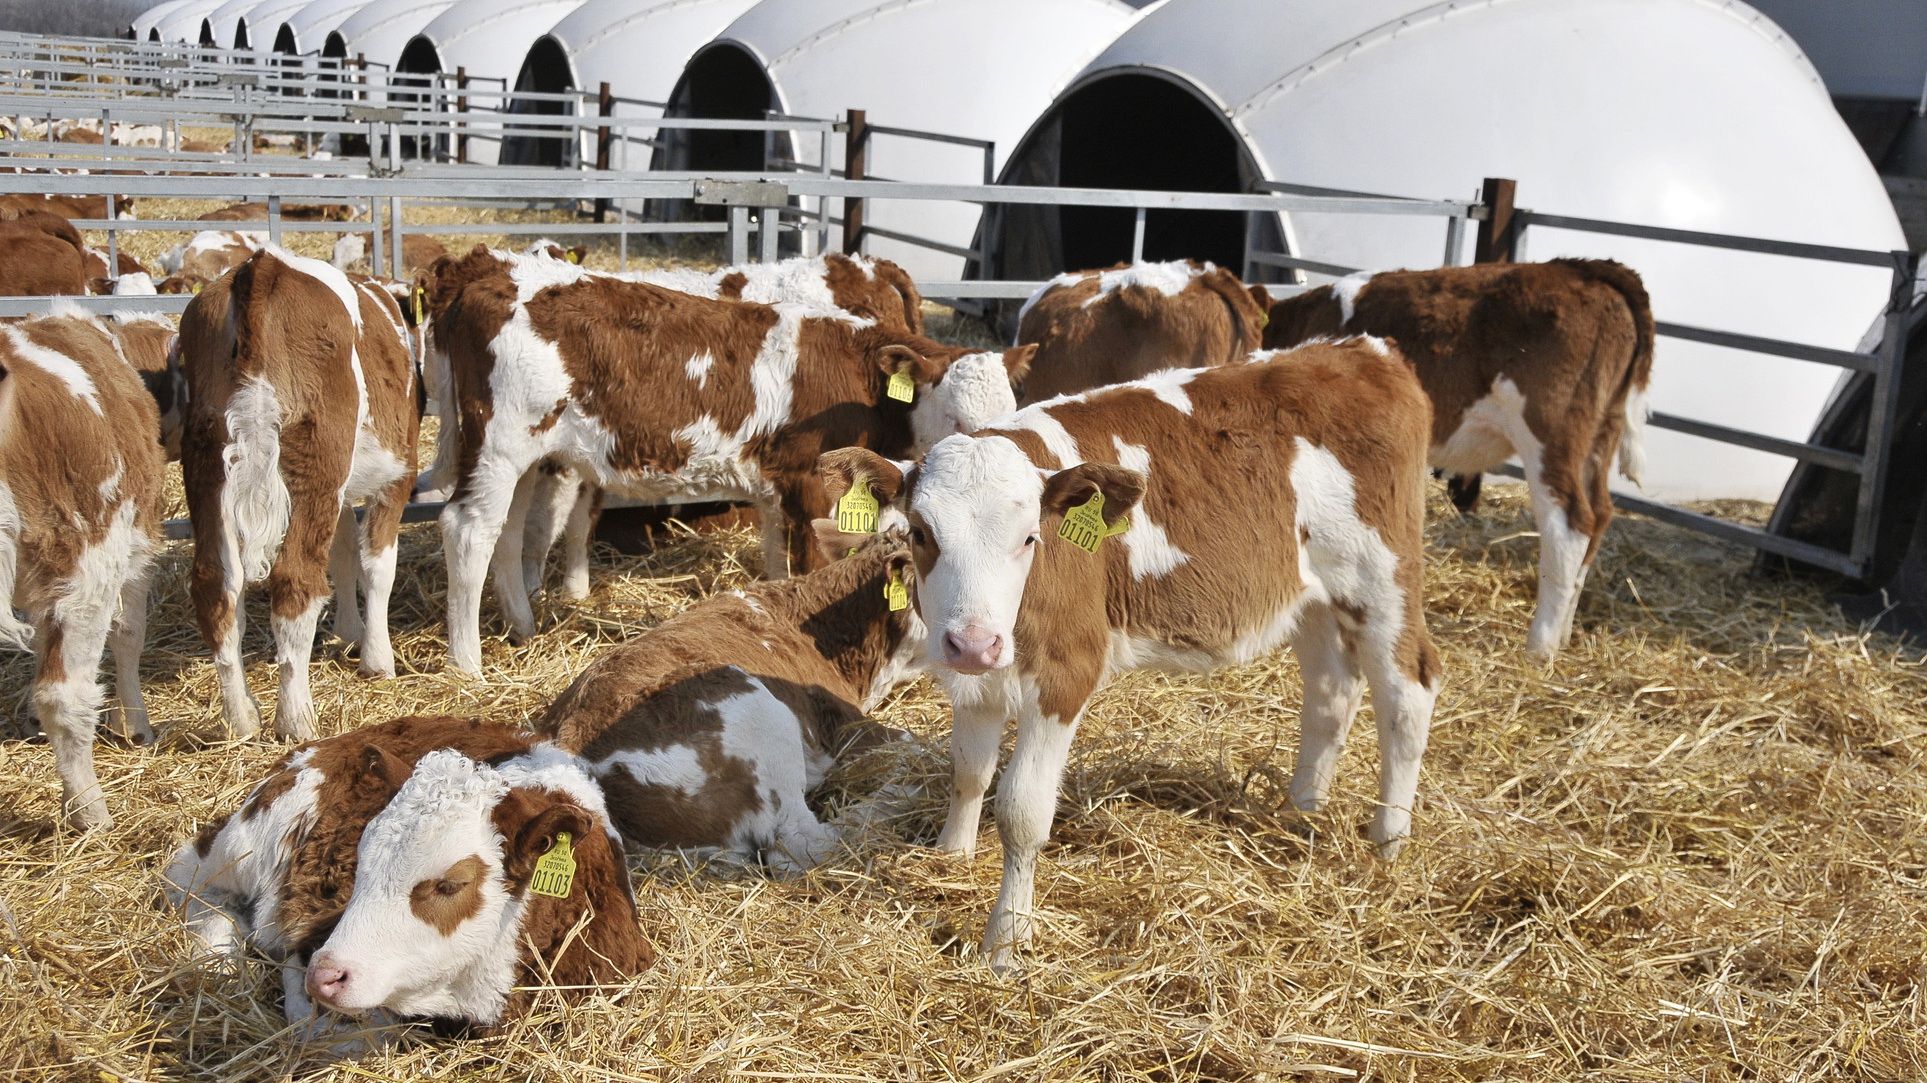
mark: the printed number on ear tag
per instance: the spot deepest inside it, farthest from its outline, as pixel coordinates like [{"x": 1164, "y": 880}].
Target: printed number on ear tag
[
  {"x": 897, "y": 593},
  {"x": 902, "y": 388},
  {"x": 555, "y": 870},
  {"x": 1083, "y": 525},
  {"x": 856, "y": 512}
]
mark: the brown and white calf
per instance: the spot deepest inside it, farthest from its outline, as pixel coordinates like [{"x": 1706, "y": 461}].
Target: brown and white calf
[
  {"x": 301, "y": 402},
  {"x": 1093, "y": 328},
  {"x": 101, "y": 280},
  {"x": 564, "y": 507},
  {"x": 212, "y": 253},
  {"x": 1280, "y": 500},
  {"x": 709, "y": 729},
  {"x": 149, "y": 343},
  {"x": 389, "y": 869},
  {"x": 80, "y": 520},
  {"x": 1549, "y": 361},
  {"x": 649, "y": 393},
  {"x": 41, "y": 255}
]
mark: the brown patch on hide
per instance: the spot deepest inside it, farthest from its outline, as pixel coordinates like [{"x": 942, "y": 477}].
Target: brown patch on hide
[{"x": 452, "y": 898}]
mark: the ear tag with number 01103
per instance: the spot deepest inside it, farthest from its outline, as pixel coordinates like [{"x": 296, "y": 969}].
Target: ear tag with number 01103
[
  {"x": 902, "y": 388},
  {"x": 856, "y": 511},
  {"x": 896, "y": 592},
  {"x": 1083, "y": 525},
  {"x": 555, "y": 870}
]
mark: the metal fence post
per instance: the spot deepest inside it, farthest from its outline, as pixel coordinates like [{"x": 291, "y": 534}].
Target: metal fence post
[
  {"x": 1883, "y": 407},
  {"x": 605, "y": 108},
  {"x": 855, "y": 154},
  {"x": 738, "y": 234},
  {"x": 1496, "y": 241},
  {"x": 394, "y": 234},
  {"x": 1137, "y": 237}
]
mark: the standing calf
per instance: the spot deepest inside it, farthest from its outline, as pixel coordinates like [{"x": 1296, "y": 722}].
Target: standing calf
[
  {"x": 301, "y": 402},
  {"x": 80, "y": 515},
  {"x": 1278, "y": 500},
  {"x": 1546, "y": 360},
  {"x": 1093, "y": 328}
]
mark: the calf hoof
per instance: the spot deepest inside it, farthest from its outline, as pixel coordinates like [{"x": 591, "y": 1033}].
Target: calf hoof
[
  {"x": 244, "y": 724},
  {"x": 91, "y": 815},
  {"x": 131, "y": 726},
  {"x": 295, "y": 725}
]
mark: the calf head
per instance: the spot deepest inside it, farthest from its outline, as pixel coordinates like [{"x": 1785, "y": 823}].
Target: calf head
[
  {"x": 973, "y": 389},
  {"x": 978, "y": 510},
  {"x": 444, "y": 899}
]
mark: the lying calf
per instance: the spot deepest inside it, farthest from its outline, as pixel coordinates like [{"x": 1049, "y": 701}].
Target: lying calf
[
  {"x": 391, "y": 867},
  {"x": 709, "y": 730}
]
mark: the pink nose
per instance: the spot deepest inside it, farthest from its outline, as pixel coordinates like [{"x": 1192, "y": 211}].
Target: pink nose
[
  {"x": 972, "y": 650},
  {"x": 325, "y": 983}
]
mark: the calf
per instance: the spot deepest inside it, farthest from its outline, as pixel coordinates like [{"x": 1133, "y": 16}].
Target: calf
[
  {"x": 149, "y": 343},
  {"x": 651, "y": 393},
  {"x": 1550, "y": 361},
  {"x": 67, "y": 206},
  {"x": 389, "y": 868},
  {"x": 1094, "y": 328},
  {"x": 212, "y": 253},
  {"x": 862, "y": 286},
  {"x": 80, "y": 518},
  {"x": 95, "y": 264},
  {"x": 1278, "y": 500},
  {"x": 301, "y": 402},
  {"x": 709, "y": 730},
  {"x": 41, "y": 255}
]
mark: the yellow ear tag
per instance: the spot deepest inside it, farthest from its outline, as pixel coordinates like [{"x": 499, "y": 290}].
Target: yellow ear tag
[
  {"x": 555, "y": 870},
  {"x": 896, "y": 593},
  {"x": 1083, "y": 525},
  {"x": 1263, "y": 319},
  {"x": 856, "y": 512},
  {"x": 902, "y": 388},
  {"x": 572, "y": 257},
  {"x": 421, "y": 299}
]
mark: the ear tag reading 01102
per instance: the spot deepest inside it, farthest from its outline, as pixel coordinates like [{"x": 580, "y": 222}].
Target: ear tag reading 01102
[
  {"x": 902, "y": 388},
  {"x": 896, "y": 592},
  {"x": 1083, "y": 525},
  {"x": 856, "y": 511},
  {"x": 555, "y": 870}
]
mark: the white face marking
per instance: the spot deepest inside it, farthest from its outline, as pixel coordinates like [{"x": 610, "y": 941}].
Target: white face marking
[
  {"x": 980, "y": 499},
  {"x": 1345, "y": 292},
  {"x": 55, "y": 364},
  {"x": 974, "y": 390},
  {"x": 392, "y": 957}
]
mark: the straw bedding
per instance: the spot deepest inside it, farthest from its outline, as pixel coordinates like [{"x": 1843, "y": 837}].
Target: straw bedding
[{"x": 1691, "y": 848}]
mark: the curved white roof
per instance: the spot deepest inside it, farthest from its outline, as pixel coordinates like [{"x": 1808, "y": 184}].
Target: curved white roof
[
  {"x": 978, "y": 68},
  {"x": 151, "y": 18},
  {"x": 226, "y": 18},
  {"x": 184, "y": 22},
  {"x": 258, "y": 19},
  {"x": 490, "y": 37},
  {"x": 309, "y": 25},
  {"x": 1695, "y": 114},
  {"x": 380, "y": 30},
  {"x": 639, "y": 47}
]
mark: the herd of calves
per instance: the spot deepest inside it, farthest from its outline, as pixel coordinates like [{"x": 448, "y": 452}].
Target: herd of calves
[{"x": 1201, "y": 476}]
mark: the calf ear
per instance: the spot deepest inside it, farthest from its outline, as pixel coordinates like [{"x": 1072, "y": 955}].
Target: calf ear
[
  {"x": 839, "y": 470},
  {"x": 1067, "y": 489},
  {"x": 1017, "y": 362},
  {"x": 537, "y": 835},
  {"x": 1261, "y": 295},
  {"x": 380, "y": 768},
  {"x": 924, "y": 369},
  {"x": 833, "y": 543}
]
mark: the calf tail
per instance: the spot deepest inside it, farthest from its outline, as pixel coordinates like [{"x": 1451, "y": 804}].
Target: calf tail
[
  {"x": 438, "y": 384},
  {"x": 1639, "y": 368},
  {"x": 898, "y": 279},
  {"x": 1246, "y": 315},
  {"x": 254, "y": 497}
]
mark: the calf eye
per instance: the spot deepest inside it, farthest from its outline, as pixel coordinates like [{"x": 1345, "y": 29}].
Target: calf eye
[
  {"x": 916, "y": 535},
  {"x": 449, "y": 887},
  {"x": 1030, "y": 541}
]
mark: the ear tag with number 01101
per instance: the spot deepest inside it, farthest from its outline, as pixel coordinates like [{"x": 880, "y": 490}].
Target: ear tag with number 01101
[
  {"x": 1083, "y": 525},
  {"x": 856, "y": 511},
  {"x": 902, "y": 388},
  {"x": 555, "y": 870},
  {"x": 896, "y": 592}
]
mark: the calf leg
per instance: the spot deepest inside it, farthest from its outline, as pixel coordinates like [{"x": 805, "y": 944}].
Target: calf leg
[
  {"x": 341, "y": 570},
  {"x": 510, "y": 585},
  {"x": 471, "y": 525},
  {"x": 976, "y": 731},
  {"x": 1026, "y": 804},
  {"x": 776, "y": 553},
  {"x": 380, "y": 528},
  {"x": 1333, "y": 687},
  {"x": 218, "y": 609},
  {"x": 1563, "y": 553},
  {"x": 129, "y": 718},
  {"x": 297, "y": 591},
  {"x": 67, "y": 698},
  {"x": 551, "y": 498},
  {"x": 575, "y": 542}
]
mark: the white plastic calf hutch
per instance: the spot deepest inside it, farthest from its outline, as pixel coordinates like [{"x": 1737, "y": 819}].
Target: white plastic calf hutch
[
  {"x": 183, "y": 23},
  {"x": 638, "y": 47},
  {"x": 306, "y": 30},
  {"x": 1692, "y": 114},
  {"x": 981, "y": 69},
  {"x": 486, "y": 38},
  {"x": 147, "y": 25},
  {"x": 381, "y": 30}
]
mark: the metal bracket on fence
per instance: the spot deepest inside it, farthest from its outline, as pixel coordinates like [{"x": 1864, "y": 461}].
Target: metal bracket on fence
[
  {"x": 237, "y": 78},
  {"x": 377, "y": 114},
  {"x": 730, "y": 193}
]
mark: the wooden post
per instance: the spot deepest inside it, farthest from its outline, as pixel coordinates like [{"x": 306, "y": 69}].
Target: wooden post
[
  {"x": 605, "y": 107},
  {"x": 461, "y": 109},
  {"x": 361, "y": 76},
  {"x": 1494, "y": 242},
  {"x": 856, "y": 147}
]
